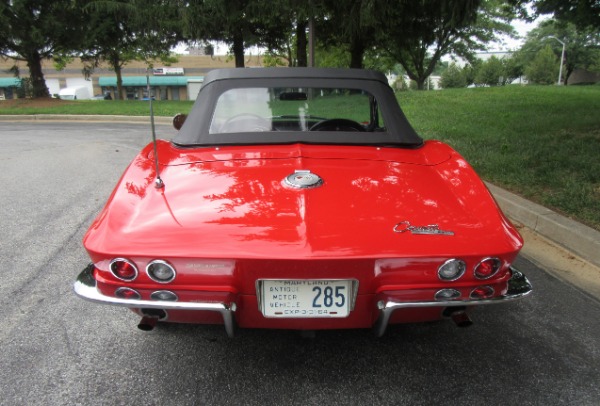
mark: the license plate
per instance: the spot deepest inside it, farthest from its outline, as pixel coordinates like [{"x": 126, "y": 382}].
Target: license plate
[{"x": 306, "y": 298}]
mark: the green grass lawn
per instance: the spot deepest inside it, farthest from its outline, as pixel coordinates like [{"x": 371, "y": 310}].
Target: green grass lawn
[
  {"x": 540, "y": 142},
  {"x": 102, "y": 107}
]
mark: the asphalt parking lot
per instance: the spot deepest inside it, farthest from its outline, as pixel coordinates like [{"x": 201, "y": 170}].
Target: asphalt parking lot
[{"x": 60, "y": 350}]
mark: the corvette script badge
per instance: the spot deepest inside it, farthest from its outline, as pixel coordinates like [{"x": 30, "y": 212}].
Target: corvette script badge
[{"x": 405, "y": 226}]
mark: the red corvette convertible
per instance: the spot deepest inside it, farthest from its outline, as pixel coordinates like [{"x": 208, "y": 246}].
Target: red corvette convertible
[{"x": 301, "y": 199}]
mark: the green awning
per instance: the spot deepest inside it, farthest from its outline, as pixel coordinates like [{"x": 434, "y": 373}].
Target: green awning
[
  {"x": 137, "y": 81},
  {"x": 10, "y": 82}
]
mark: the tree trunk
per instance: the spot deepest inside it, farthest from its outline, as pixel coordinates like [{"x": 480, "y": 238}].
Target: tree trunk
[
  {"x": 119, "y": 73},
  {"x": 238, "y": 49},
  {"x": 568, "y": 71},
  {"x": 115, "y": 64},
  {"x": 290, "y": 57},
  {"x": 301, "y": 50},
  {"x": 38, "y": 83},
  {"x": 357, "y": 50}
]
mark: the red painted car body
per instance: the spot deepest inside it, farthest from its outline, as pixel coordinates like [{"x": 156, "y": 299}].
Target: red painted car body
[{"x": 363, "y": 227}]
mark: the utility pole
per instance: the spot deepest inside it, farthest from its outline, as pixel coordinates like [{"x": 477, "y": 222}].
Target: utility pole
[{"x": 562, "y": 59}]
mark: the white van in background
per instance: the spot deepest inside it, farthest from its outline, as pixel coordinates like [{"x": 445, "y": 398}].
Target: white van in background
[{"x": 74, "y": 93}]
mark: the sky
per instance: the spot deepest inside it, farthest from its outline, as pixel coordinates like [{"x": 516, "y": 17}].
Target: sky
[{"x": 511, "y": 44}]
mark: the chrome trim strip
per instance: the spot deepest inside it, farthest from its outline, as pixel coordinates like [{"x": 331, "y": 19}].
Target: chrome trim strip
[
  {"x": 518, "y": 287},
  {"x": 85, "y": 287}
]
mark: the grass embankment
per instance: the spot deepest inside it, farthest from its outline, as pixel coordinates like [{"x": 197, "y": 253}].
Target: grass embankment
[
  {"x": 540, "y": 142},
  {"x": 101, "y": 107}
]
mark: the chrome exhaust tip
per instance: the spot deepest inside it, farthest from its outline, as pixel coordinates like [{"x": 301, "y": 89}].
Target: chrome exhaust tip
[
  {"x": 147, "y": 323},
  {"x": 150, "y": 317},
  {"x": 459, "y": 316}
]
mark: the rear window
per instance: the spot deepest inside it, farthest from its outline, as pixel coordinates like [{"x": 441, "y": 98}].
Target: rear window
[{"x": 261, "y": 109}]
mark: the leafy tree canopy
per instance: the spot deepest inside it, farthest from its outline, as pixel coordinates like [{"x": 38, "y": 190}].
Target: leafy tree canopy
[
  {"x": 120, "y": 31},
  {"x": 585, "y": 14},
  {"x": 34, "y": 30},
  {"x": 418, "y": 36},
  {"x": 240, "y": 23}
]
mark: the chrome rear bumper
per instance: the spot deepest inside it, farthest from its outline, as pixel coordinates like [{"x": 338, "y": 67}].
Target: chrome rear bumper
[
  {"x": 518, "y": 287},
  {"x": 85, "y": 287}
]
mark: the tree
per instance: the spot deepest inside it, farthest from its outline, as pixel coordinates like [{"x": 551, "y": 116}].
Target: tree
[
  {"x": 419, "y": 34},
  {"x": 491, "y": 72},
  {"x": 582, "y": 46},
  {"x": 34, "y": 30},
  {"x": 470, "y": 70},
  {"x": 240, "y": 23},
  {"x": 543, "y": 69},
  {"x": 294, "y": 16},
  {"x": 419, "y": 38},
  {"x": 302, "y": 13},
  {"x": 352, "y": 25},
  {"x": 584, "y": 14},
  {"x": 513, "y": 67},
  {"x": 121, "y": 31},
  {"x": 453, "y": 77}
]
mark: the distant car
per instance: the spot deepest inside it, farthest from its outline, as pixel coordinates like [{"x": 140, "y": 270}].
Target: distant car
[
  {"x": 74, "y": 93},
  {"x": 105, "y": 96},
  {"x": 300, "y": 199}
]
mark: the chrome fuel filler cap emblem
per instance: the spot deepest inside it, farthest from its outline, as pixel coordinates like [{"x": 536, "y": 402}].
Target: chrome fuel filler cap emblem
[{"x": 303, "y": 179}]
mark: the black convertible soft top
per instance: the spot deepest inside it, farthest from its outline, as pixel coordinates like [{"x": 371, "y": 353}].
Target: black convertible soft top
[
  {"x": 397, "y": 132},
  {"x": 293, "y": 73}
]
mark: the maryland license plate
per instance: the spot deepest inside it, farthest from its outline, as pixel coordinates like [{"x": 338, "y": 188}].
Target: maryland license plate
[{"x": 306, "y": 298}]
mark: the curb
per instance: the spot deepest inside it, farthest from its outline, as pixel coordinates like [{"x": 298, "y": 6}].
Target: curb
[
  {"x": 84, "y": 118},
  {"x": 580, "y": 239}
]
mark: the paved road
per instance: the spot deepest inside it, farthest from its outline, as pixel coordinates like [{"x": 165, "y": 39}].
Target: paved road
[{"x": 59, "y": 350}]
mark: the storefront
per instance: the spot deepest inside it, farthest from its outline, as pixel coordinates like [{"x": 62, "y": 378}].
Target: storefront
[
  {"x": 162, "y": 87},
  {"x": 8, "y": 88}
]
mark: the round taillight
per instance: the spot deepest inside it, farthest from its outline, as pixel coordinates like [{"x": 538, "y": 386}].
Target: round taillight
[
  {"x": 452, "y": 269},
  {"x": 160, "y": 271},
  {"x": 447, "y": 294},
  {"x": 164, "y": 295},
  {"x": 123, "y": 269},
  {"x": 127, "y": 293},
  {"x": 487, "y": 268},
  {"x": 482, "y": 292}
]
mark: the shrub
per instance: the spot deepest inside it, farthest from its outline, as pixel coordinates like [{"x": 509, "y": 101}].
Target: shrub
[
  {"x": 543, "y": 69},
  {"x": 490, "y": 73},
  {"x": 453, "y": 77}
]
